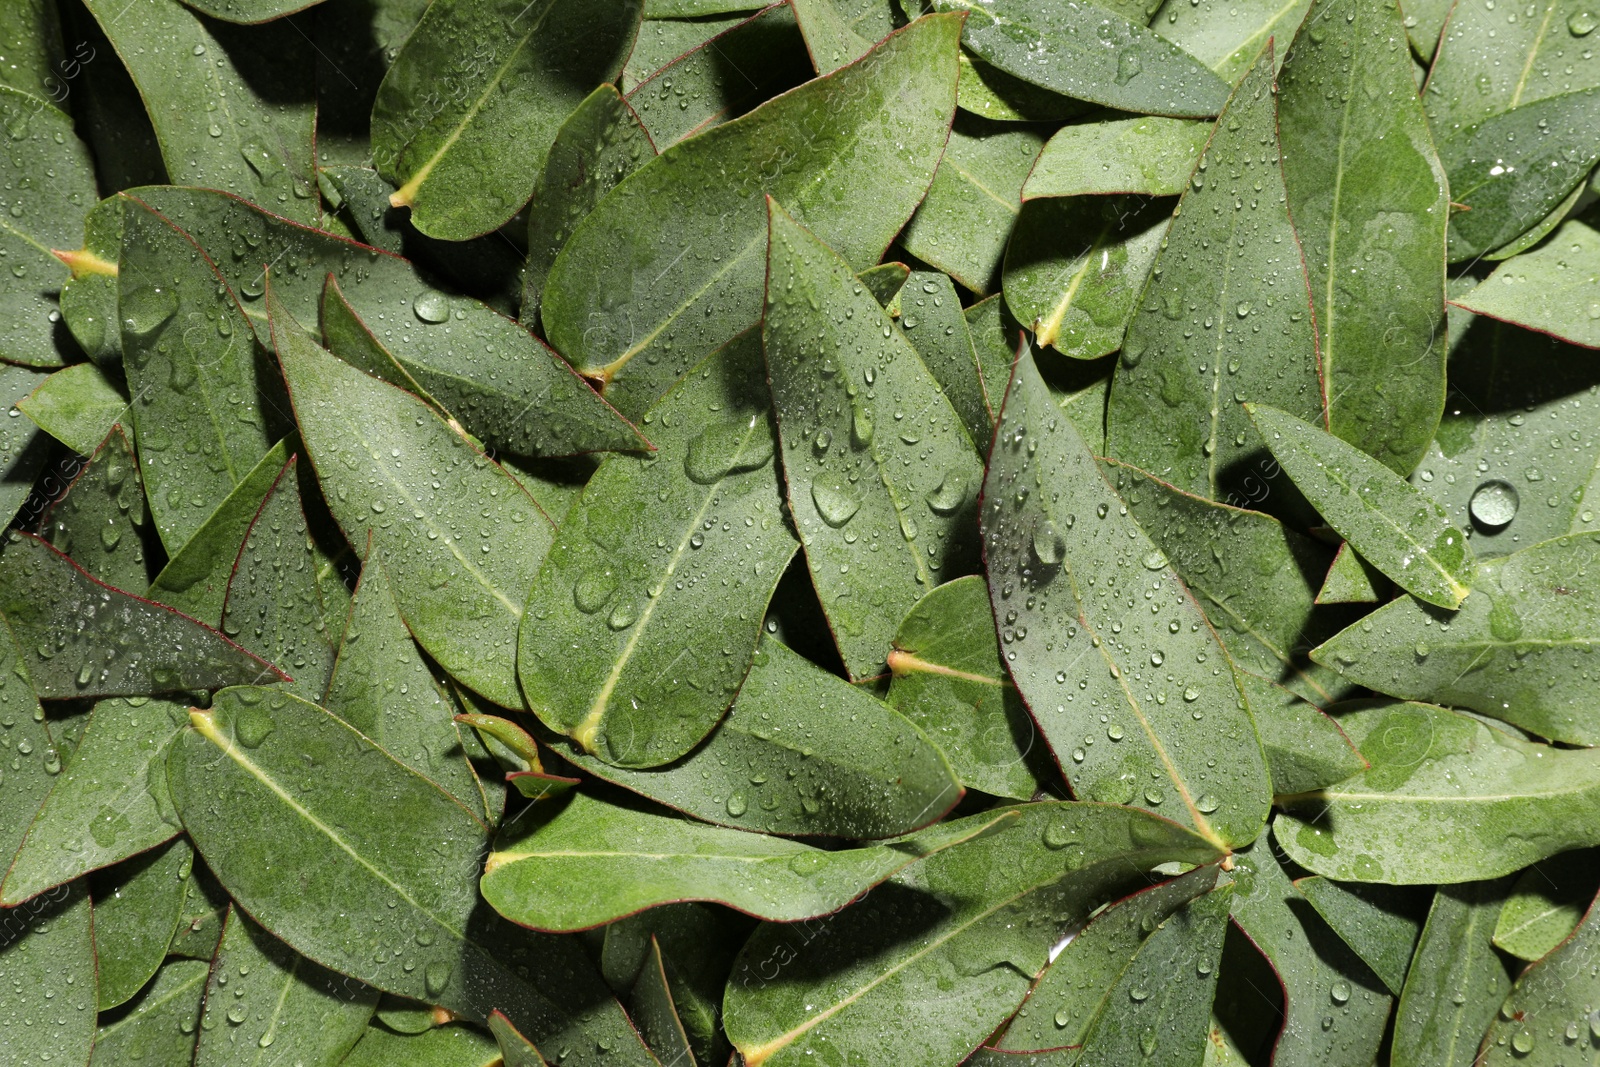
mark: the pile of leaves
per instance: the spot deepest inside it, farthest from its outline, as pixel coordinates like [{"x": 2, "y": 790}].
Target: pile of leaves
[{"x": 879, "y": 532}]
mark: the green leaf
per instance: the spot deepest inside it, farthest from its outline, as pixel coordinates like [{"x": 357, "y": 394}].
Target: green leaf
[
  {"x": 273, "y": 601},
  {"x": 1381, "y": 923},
  {"x": 49, "y": 187},
  {"x": 931, "y": 316},
  {"x": 655, "y": 1013},
  {"x": 1518, "y": 649},
  {"x": 1549, "y": 1019},
  {"x": 248, "y": 11},
  {"x": 516, "y": 1050},
  {"x": 110, "y": 803},
  {"x": 892, "y": 107},
  {"x": 830, "y": 760},
  {"x": 1456, "y": 981},
  {"x": 1488, "y": 63},
  {"x": 1081, "y": 985},
  {"x": 205, "y": 906},
  {"x": 463, "y": 538},
  {"x": 1125, "y": 677},
  {"x": 207, "y": 404},
  {"x": 701, "y": 74},
  {"x": 381, "y": 686},
  {"x": 1546, "y": 903},
  {"x": 158, "y": 1026},
  {"x": 689, "y": 537},
  {"x": 1508, "y": 174},
  {"x": 1396, "y": 528},
  {"x": 882, "y": 504},
  {"x": 1448, "y": 799},
  {"x": 949, "y": 680},
  {"x": 47, "y": 999},
  {"x": 1305, "y": 748},
  {"x": 1260, "y": 343},
  {"x": 830, "y": 39},
  {"x": 23, "y": 449},
  {"x": 1153, "y": 156},
  {"x": 468, "y": 159},
  {"x": 77, "y": 406},
  {"x": 89, "y": 297},
  {"x": 1091, "y": 53},
  {"x": 1228, "y": 36},
  {"x": 102, "y": 522},
  {"x": 633, "y": 859},
  {"x": 264, "y": 995},
  {"x": 253, "y": 84},
  {"x": 1352, "y": 580},
  {"x": 1335, "y": 1009},
  {"x": 195, "y": 579},
  {"x": 62, "y": 618},
  {"x": 972, "y": 205},
  {"x": 278, "y": 835},
  {"x": 1550, "y": 289},
  {"x": 1368, "y": 199},
  {"x": 690, "y": 9},
  {"x": 599, "y": 144},
  {"x": 1254, "y": 577},
  {"x": 28, "y": 742},
  {"x": 137, "y": 907},
  {"x": 1425, "y": 20},
  {"x": 443, "y": 1046},
  {"x": 991, "y": 93},
  {"x": 995, "y": 338},
  {"x": 30, "y": 33},
  {"x": 966, "y": 929}
]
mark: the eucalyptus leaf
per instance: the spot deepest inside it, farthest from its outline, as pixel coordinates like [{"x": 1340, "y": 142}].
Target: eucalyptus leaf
[
  {"x": 1488, "y": 63},
  {"x": 1149, "y": 155},
  {"x": 1380, "y": 922},
  {"x": 102, "y": 521},
  {"x": 657, "y": 1015},
  {"x": 1447, "y": 799},
  {"x": 830, "y": 39},
  {"x": 691, "y": 532},
  {"x": 1228, "y": 35},
  {"x": 47, "y": 1001},
  {"x": 35, "y": 761},
  {"x": 933, "y": 320},
  {"x": 1125, "y": 674},
  {"x": 76, "y": 405},
  {"x": 1550, "y": 289},
  {"x": 465, "y": 135},
  {"x": 30, "y": 33},
  {"x": 1455, "y": 982},
  {"x": 1549, "y": 1018},
  {"x": 137, "y": 907},
  {"x": 1305, "y": 748},
  {"x": 515, "y": 1050},
  {"x": 626, "y": 287},
  {"x": 158, "y": 1026},
  {"x": 442, "y": 1046},
  {"x": 1352, "y": 580},
  {"x": 1546, "y": 903},
  {"x": 23, "y": 448}
]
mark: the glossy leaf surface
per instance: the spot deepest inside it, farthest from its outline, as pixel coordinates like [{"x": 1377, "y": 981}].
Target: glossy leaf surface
[
  {"x": 1153, "y": 156},
  {"x": 1550, "y": 289},
  {"x": 1546, "y": 903},
  {"x": 1376, "y": 921},
  {"x": 1228, "y": 36},
  {"x": 76, "y": 405},
  {"x": 137, "y": 908},
  {"x": 1456, "y": 981},
  {"x": 1543, "y": 1020},
  {"x": 160, "y": 1024},
  {"x": 47, "y": 1001},
  {"x": 933, "y": 321},
  {"x": 1305, "y": 748},
  {"x": 102, "y": 520}
]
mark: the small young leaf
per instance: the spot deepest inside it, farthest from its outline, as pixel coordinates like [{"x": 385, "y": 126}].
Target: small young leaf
[
  {"x": 77, "y": 406},
  {"x": 1546, "y": 903}
]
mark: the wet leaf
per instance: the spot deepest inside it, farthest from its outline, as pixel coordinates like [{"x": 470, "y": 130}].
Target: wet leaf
[
  {"x": 47, "y": 999},
  {"x": 443, "y": 1046},
  {"x": 688, "y": 536},
  {"x": 1152, "y": 156},
  {"x": 1352, "y": 580},
  {"x": 970, "y": 927},
  {"x": 801, "y": 752},
  {"x": 633, "y": 859},
  {"x": 1551, "y": 289},
  {"x": 1447, "y": 799},
  {"x": 65, "y": 622},
  {"x": 1456, "y": 981},
  {"x": 1395, "y": 528},
  {"x": 655, "y": 1013},
  {"x": 137, "y": 907},
  {"x": 1489, "y": 62},
  {"x": 881, "y": 474},
  {"x": 1368, "y": 199},
  {"x": 108, "y": 804},
  {"x": 463, "y": 536},
  {"x": 516, "y": 1050},
  {"x": 102, "y": 521},
  {"x": 1208, "y": 335},
  {"x": 35, "y": 760},
  {"x": 77, "y": 406},
  {"x": 1092, "y": 53},
  {"x": 1380, "y": 922},
  {"x": 1228, "y": 36},
  {"x": 932, "y": 318},
  {"x": 1546, "y": 903},
  {"x": 1549, "y": 1018},
  {"x": 1529, "y": 614},
  {"x": 643, "y": 272},
  {"x": 467, "y": 160},
  {"x": 830, "y": 39},
  {"x": 159, "y": 1025},
  {"x": 1125, "y": 677},
  {"x": 31, "y": 35},
  {"x": 23, "y": 448}
]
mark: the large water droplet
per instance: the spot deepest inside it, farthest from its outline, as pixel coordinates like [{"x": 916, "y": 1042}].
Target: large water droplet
[
  {"x": 1494, "y": 505},
  {"x": 147, "y": 308},
  {"x": 834, "y": 503},
  {"x": 431, "y": 307}
]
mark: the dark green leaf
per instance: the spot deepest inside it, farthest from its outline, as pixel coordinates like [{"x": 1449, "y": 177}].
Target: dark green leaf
[
  {"x": 443, "y": 1046},
  {"x": 599, "y": 144},
  {"x": 110, "y": 803},
  {"x": 159, "y": 1026},
  {"x": 1546, "y": 903},
  {"x": 654, "y": 1012},
  {"x": 1550, "y": 1018},
  {"x": 77, "y": 406},
  {"x": 34, "y": 758},
  {"x": 62, "y": 619},
  {"x": 991, "y": 93},
  {"x": 248, "y": 782},
  {"x": 1368, "y": 199},
  {"x": 1425, "y": 20},
  {"x": 1352, "y": 580},
  {"x": 205, "y": 906},
  {"x": 881, "y": 473},
  {"x": 1395, "y": 527},
  {"x": 263, "y": 995},
  {"x": 463, "y": 538},
  {"x": 1305, "y": 748},
  {"x": 1210, "y": 334},
  {"x": 1456, "y": 981},
  {"x": 381, "y": 686},
  {"x": 830, "y": 760},
  {"x": 1518, "y": 649},
  {"x": 949, "y": 680},
  {"x": 515, "y": 1050},
  {"x": 965, "y": 930},
  {"x": 830, "y": 39},
  {"x": 1551, "y": 289},
  {"x": 689, "y": 9},
  {"x": 30, "y": 34},
  {"x": 995, "y": 337},
  {"x": 1489, "y": 62},
  {"x": 1152, "y": 156},
  {"x": 252, "y": 84},
  {"x": 688, "y": 537},
  {"x": 102, "y": 522},
  {"x": 89, "y": 297},
  {"x": 1106, "y": 645},
  {"x": 1380, "y": 923},
  {"x": 1228, "y": 35},
  {"x": 248, "y": 11},
  {"x": 1447, "y": 799},
  {"x": 466, "y": 159},
  {"x": 628, "y": 303},
  {"x": 632, "y": 859},
  {"x": 23, "y": 448},
  {"x": 970, "y": 209},
  {"x": 1089, "y": 52},
  {"x": 137, "y": 907},
  {"x": 47, "y": 981},
  {"x": 931, "y": 315}
]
